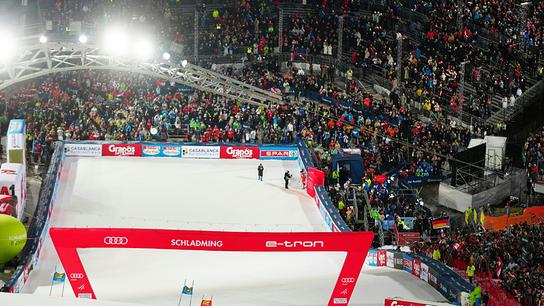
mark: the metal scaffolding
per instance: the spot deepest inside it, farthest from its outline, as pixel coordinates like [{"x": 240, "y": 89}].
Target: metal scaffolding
[{"x": 36, "y": 60}]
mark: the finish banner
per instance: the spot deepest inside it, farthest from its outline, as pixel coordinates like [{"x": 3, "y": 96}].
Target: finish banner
[
  {"x": 239, "y": 152},
  {"x": 122, "y": 149},
  {"x": 68, "y": 240}
]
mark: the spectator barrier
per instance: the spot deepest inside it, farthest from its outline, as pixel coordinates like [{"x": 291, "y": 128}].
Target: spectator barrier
[
  {"x": 40, "y": 225},
  {"x": 446, "y": 281}
]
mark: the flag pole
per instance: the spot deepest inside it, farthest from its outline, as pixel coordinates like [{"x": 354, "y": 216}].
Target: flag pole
[
  {"x": 181, "y": 295},
  {"x": 63, "y": 284},
  {"x": 192, "y": 291},
  {"x": 52, "y": 280}
]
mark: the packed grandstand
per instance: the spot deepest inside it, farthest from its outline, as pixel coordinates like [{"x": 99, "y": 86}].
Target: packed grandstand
[{"x": 389, "y": 100}]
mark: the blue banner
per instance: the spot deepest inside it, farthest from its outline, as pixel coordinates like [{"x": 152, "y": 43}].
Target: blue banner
[
  {"x": 407, "y": 263},
  {"x": 372, "y": 258},
  {"x": 161, "y": 150},
  {"x": 17, "y": 126}
]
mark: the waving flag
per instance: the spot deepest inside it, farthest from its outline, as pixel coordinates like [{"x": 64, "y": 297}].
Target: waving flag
[
  {"x": 206, "y": 303},
  {"x": 187, "y": 290},
  {"x": 59, "y": 277}
]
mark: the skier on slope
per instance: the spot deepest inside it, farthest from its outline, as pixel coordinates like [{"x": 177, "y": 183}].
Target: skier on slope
[
  {"x": 260, "y": 171},
  {"x": 286, "y": 177}
]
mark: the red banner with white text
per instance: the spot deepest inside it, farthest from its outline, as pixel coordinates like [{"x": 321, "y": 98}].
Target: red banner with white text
[
  {"x": 122, "y": 149},
  {"x": 397, "y": 302},
  {"x": 68, "y": 240},
  {"x": 239, "y": 152}
]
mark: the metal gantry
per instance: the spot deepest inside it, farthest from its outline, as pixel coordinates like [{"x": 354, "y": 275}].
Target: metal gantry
[{"x": 37, "y": 60}]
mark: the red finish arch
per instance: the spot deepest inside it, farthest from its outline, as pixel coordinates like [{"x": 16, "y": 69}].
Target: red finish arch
[{"x": 68, "y": 240}]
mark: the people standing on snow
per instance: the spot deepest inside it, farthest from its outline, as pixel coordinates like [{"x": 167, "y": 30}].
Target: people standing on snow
[
  {"x": 260, "y": 171},
  {"x": 286, "y": 178}
]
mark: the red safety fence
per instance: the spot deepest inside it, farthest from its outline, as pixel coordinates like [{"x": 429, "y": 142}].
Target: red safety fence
[{"x": 497, "y": 295}]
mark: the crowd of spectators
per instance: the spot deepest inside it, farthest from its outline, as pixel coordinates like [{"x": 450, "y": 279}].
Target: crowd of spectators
[
  {"x": 434, "y": 52},
  {"x": 515, "y": 255},
  {"x": 534, "y": 155},
  {"x": 391, "y": 138},
  {"x": 119, "y": 106},
  {"x": 250, "y": 27}
]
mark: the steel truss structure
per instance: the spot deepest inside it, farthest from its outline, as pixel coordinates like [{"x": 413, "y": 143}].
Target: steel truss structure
[{"x": 36, "y": 60}]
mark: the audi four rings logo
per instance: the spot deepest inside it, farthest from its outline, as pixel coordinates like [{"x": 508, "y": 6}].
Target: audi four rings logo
[
  {"x": 76, "y": 275},
  {"x": 347, "y": 280},
  {"x": 116, "y": 240}
]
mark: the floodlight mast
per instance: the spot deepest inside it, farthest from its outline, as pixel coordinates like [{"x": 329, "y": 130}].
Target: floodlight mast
[{"x": 33, "y": 60}]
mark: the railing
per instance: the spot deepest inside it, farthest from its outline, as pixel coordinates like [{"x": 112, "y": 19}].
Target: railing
[
  {"x": 38, "y": 228},
  {"x": 527, "y": 97}
]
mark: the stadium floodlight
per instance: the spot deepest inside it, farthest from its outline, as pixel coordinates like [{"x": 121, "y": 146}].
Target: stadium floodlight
[
  {"x": 83, "y": 38},
  {"x": 143, "y": 48},
  {"x": 7, "y": 47},
  {"x": 43, "y": 39},
  {"x": 166, "y": 56},
  {"x": 116, "y": 42},
  {"x": 184, "y": 63}
]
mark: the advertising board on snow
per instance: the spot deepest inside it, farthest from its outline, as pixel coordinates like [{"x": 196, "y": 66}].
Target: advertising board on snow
[
  {"x": 371, "y": 258},
  {"x": 390, "y": 261},
  {"x": 407, "y": 263},
  {"x": 325, "y": 216},
  {"x": 416, "y": 267},
  {"x": 151, "y": 150},
  {"x": 382, "y": 261},
  {"x": 281, "y": 153},
  {"x": 399, "y": 261},
  {"x": 122, "y": 149},
  {"x": 83, "y": 149},
  {"x": 161, "y": 150},
  {"x": 424, "y": 273},
  {"x": 230, "y": 152},
  {"x": 433, "y": 278},
  {"x": 211, "y": 152},
  {"x": 397, "y": 302}
]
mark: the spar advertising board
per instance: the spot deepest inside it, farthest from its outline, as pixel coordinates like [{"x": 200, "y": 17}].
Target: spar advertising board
[
  {"x": 122, "y": 149},
  {"x": 161, "y": 150},
  {"x": 281, "y": 153},
  {"x": 83, "y": 149},
  {"x": 209, "y": 152},
  {"x": 230, "y": 152}
]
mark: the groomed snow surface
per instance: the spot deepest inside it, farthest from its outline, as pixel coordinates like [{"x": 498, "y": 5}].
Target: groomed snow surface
[{"x": 207, "y": 195}]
